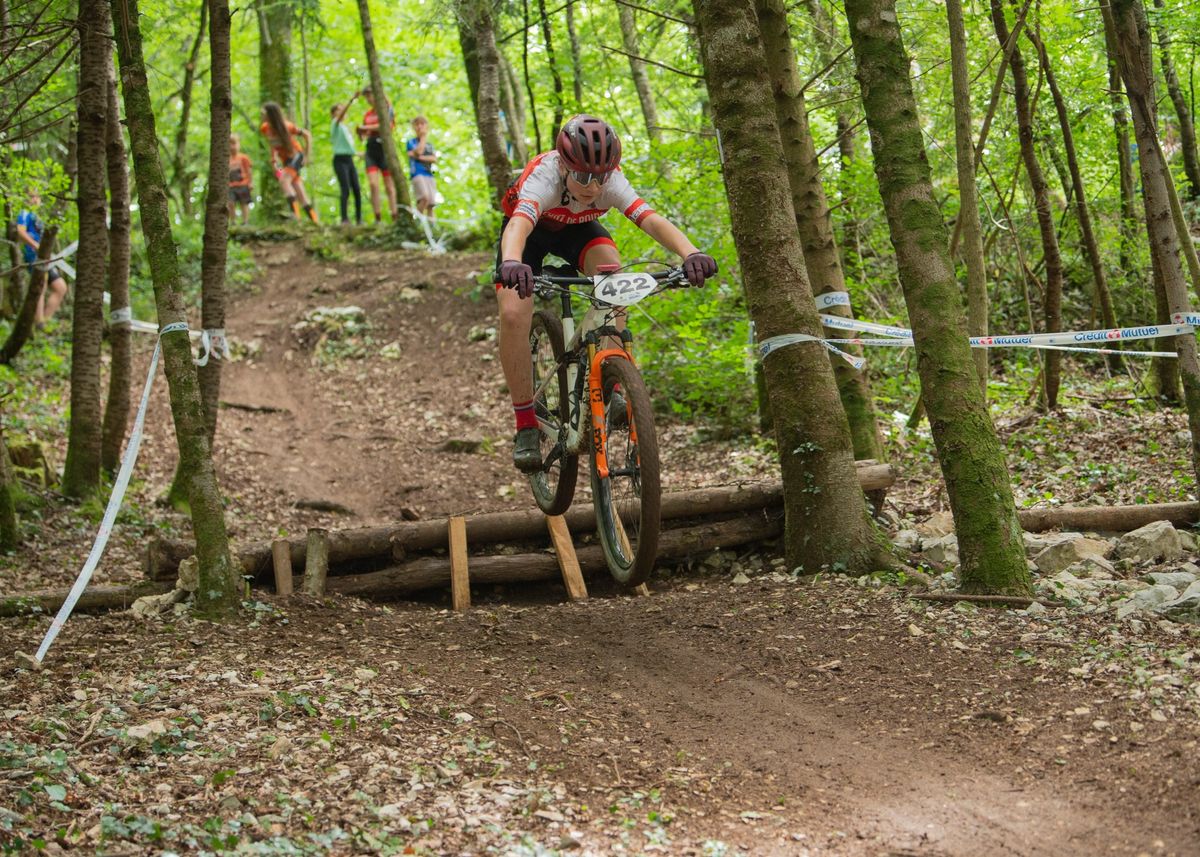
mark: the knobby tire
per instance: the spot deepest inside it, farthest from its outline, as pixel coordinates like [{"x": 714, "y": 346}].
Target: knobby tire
[{"x": 554, "y": 485}]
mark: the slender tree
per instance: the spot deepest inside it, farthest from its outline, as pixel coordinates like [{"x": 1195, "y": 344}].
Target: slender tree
[
  {"x": 968, "y": 202},
  {"x": 1087, "y": 233},
  {"x": 537, "y": 130},
  {"x": 218, "y": 593},
  {"x": 1133, "y": 49},
  {"x": 120, "y": 376},
  {"x": 1187, "y": 128},
  {"x": 275, "y": 18},
  {"x": 514, "y": 110},
  {"x": 552, "y": 64},
  {"x": 477, "y": 27},
  {"x": 821, "y": 259},
  {"x": 181, "y": 176},
  {"x": 81, "y": 472},
  {"x": 386, "y": 134},
  {"x": 1052, "y": 257},
  {"x": 22, "y": 327},
  {"x": 576, "y": 58},
  {"x": 971, "y": 457},
  {"x": 10, "y": 527},
  {"x": 637, "y": 68},
  {"x": 826, "y": 521}
]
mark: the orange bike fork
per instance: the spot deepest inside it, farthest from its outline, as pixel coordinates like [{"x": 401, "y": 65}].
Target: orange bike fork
[{"x": 596, "y": 398}]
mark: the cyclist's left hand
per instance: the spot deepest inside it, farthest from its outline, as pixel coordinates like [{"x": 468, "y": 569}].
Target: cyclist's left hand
[{"x": 699, "y": 267}]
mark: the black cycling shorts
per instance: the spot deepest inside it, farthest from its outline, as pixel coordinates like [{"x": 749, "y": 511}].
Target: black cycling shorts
[
  {"x": 376, "y": 160},
  {"x": 570, "y": 243}
]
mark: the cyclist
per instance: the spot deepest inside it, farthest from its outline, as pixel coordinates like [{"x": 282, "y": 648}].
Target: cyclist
[{"x": 554, "y": 207}]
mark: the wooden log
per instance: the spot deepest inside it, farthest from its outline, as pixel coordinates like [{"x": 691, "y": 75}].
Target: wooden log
[
  {"x": 281, "y": 555},
  {"x": 433, "y": 571},
  {"x": 568, "y": 562},
  {"x": 1108, "y": 519},
  {"x": 460, "y": 583},
  {"x": 998, "y": 600},
  {"x": 316, "y": 564},
  {"x": 396, "y": 540},
  {"x": 95, "y": 599}
]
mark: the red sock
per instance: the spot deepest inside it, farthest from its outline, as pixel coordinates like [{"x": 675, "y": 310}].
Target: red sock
[{"x": 526, "y": 417}]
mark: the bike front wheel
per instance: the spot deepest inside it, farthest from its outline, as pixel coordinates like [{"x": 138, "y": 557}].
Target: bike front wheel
[
  {"x": 628, "y": 499},
  {"x": 554, "y": 485}
]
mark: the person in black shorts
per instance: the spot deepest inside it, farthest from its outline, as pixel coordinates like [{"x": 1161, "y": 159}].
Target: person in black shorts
[
  {"x": 376, "y": 160},
  {"x": 554, "y": 207}
]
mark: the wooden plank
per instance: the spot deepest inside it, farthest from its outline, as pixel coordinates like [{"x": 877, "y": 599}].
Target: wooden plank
[
  {"x": 564, "y": 549},
  {"x": 281, "y": 558},
  {"x": 460, "y": 583}
]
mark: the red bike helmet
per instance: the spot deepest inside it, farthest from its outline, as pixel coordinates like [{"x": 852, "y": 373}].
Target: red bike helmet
[{"x": 588, "y": 144}]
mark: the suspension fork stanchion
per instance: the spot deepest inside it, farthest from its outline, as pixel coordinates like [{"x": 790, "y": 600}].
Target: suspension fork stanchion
[{"x": 596, "y": 397}]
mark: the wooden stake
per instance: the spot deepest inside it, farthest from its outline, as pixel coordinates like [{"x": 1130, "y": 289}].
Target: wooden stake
[
  {"x": 564, "y": 549},
  {"x": 460, "y": 583},
  {"x": 642, "y": 589},
  {"x": 281, "y": 558},
  {"x": 316, "y": 565}
]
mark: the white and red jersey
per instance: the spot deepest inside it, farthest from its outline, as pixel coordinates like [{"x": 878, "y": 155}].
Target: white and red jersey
[{"x": 540, "y": 196}]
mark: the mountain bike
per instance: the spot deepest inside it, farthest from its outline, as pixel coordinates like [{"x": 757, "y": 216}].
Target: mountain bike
[{"x": 590, "y": 399}]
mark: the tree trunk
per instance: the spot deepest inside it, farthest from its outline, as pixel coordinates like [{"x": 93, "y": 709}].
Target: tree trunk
[
  {"x": 821, "y": 259},
  {"x": 827, "y": 525},
  {"x": 181, "y": 176},
  {"x": 10, "y": 301},
  {"x": 514, "y": 110},
  {"x": 1052, "y": 299},
  {"x": 968, "y": 203},
  {"x": 537, "y": 130},
  {"x": 81, "y": 472},
  {"x": 274, "y": 84},
  {"x": 22, "y": 327},
  {"x": 552, "y": 63},
  {"x": 1133, "y": 43},
  {"x": 637, "y": 68},
  {"x": 1187, "y": 130},
  {"x": 10, "y": 526},
  {"x": 386, "y": 135},
  {"x": 475, "y": 17},
  {"x": 116, "y": 411},
  {"x": 576, "y": 58},
  {"x": 218, "y": 594},
  {"x": 970, "y": 454},
  {"x": 1083, "y": 212}
]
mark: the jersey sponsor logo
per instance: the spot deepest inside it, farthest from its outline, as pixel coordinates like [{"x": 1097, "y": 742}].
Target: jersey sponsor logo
[
  {"x": 565, "y": 215},
  {"x": 526, "y": 208},
  {"x": 639, "y": 210}
]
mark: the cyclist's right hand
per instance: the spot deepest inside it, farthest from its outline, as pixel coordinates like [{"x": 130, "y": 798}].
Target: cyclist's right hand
[{"x": 516, "y": 275}]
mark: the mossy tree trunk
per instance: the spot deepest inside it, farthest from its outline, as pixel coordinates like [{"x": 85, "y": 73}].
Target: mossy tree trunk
[
  {"x": 181, "y": 176},
  {"x": 275, "y": 18},
  {"x": 637, "y": 68},
  {"x": 821, "y": 258},
  {"x": 81, "y": 472},
  {"x": 972, "y": 460},
  {"x": 1087, "y": 233},
  {"x": 477, "y": 27},
  {"x": 827, "y": 526},
  {"x": 387, "y": 135},
  {"x": 1052, "y": 257},
  {"x": 116, "y": 411},
  {"x": 218, "y": 594},
  {"x": 971, "y": 232},
  {"x": 10, "y": 526},
  {"x": 1187, "y": 128},
  {"x": 1133, "y": 49},
  {"x": 216, "y": 223}
]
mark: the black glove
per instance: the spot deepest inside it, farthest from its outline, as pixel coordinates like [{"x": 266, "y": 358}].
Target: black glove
[
  {"x": 516, "y": 275},
  {"x": 699, "y": 267}
]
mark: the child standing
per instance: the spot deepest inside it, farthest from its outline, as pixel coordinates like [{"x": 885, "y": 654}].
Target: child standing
[
  {"x": 29, "y": 229},
  {"x": 376, "y": 160},
  {"x": 343, "y": 162},
  {"x": 420, "y": 167},
  {"x": 288, "y": 156},
  {"x": 241, "y": 178}
]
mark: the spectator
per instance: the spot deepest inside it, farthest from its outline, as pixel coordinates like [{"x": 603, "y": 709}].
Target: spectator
[
  {"x": 420, "y": 167},
  {"x": 241, "y": 178},
  {"x": 343, "y": 163},
  {"x": 376, "y": 160},
  {"x": 287, "y": 153},
  {"x": 29, "y": 229}
]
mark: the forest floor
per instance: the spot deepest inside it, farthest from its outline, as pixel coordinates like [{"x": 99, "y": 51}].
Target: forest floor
[{"x": 716, "y": 717}]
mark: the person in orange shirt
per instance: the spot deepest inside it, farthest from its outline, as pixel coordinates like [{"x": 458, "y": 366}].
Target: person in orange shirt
[
  {"x": 241, "y": 178},
  {"x": 287, "y": 154},
  {"x": 376, "y": 160}
]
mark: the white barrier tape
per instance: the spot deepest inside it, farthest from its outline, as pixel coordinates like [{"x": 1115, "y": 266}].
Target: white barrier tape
[
  {"x": 832, "y": 299},
  {"x": 124, "y": 315},
  {"x": 114, "y": 502},
  {"x": 1065, "y": 337},
  {"x": 420, "y": 214},
  {"x": 907, "y": 343},
  {"x": 776, "y": 342},
  {"x": 1186, "y": 318},
  {"x": 212, "y": 344}
]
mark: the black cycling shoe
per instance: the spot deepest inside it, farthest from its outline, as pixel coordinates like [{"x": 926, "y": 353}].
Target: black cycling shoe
[
  {"x": 527, "y": 453},
  {"x": 618, "y": 415}
]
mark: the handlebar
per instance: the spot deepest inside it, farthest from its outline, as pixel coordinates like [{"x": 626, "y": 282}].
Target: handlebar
[{"x": 546, "y": 285}]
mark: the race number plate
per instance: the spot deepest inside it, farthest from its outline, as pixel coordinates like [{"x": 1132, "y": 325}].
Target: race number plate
[{"x": 624, "y": 289}]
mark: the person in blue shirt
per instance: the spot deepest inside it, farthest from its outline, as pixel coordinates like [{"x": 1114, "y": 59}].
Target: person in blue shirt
[
  {"x": 420, "y": 167},
  {"x": 29, "y": 230}
]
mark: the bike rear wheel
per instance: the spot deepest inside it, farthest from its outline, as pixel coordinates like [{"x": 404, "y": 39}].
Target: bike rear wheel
[
  {"x": 554, "y": 485},
  {"x": 628, "y": 500}
]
